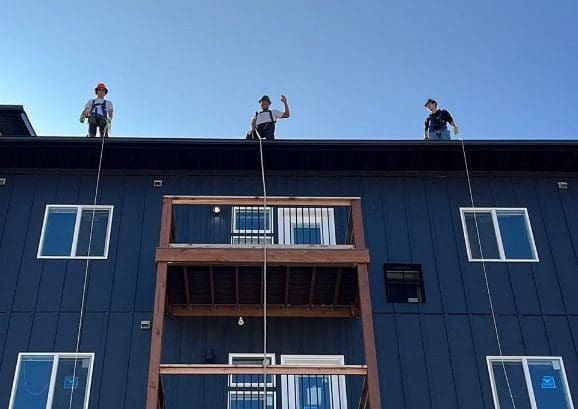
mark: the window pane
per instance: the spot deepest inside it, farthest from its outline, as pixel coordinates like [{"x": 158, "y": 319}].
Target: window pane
[
  {"x": 487, "y": 235},
  {"x": 33, "y": 382},
  {"x": 59, "y": 232},
  {"x": 251, "y": 219},
  {"x": 314, "y": 392},
  {"x": 99, "y": 233},
  {"x": 250, "y": 380},
  {"x": 305, "y": 234},
  {"x": 515, "y": 236},
  {"x": 549, "y": 388},
  {"x": 517, "y": 383},
  {"x": 250, "y": 400},
  {"x": 69, "y": 382}
]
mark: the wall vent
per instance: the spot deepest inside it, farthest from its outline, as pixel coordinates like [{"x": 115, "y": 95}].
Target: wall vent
[
  {"x": 562, "y": 185},
  {"x": 157, "y": 183},
  {"x": 145, "y": 325},
  {"x": 2, "y": 181}
]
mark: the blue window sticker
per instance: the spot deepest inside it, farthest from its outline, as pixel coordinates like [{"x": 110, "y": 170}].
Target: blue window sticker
[
  {"x": 548, "y": 382},
  {"x": 70, "y": 382}
]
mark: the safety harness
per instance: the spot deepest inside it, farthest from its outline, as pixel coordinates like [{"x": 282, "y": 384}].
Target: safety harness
[
  {"x": 96, "y": 105},
  {"x": 266, "y": 129}
]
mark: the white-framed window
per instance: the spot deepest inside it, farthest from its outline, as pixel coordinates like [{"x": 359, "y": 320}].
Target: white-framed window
[
  {"x": 505, "y": 234},
  {"x": 49, "y": 380},
  {"x": 66, "y": 232},
  {"x": 246, "y": 391},
  {"x": 252, "y": 219},
  {"x": 306, "y": 225},
  {"x": 536, "y": 382},
  {"x": 250, "y": 224},
  {"x": 313, "y": 391}
]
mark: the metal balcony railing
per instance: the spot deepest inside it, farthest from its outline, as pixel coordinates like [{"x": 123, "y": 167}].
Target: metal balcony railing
[{"x": 244, "y": 221}]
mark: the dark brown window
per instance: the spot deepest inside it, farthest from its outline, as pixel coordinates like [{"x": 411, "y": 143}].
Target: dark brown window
[{"x": 404, "y": 283}]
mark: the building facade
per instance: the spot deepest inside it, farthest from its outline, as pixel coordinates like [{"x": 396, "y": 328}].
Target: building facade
[{"x": 376, "y": 292}]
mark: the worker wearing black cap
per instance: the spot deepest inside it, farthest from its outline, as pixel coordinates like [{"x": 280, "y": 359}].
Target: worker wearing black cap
[
  {"x": 436, "y": 124},
  {"x": 264, "y": 122}
]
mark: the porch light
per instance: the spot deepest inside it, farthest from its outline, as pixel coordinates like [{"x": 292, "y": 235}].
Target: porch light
[
  {"x": 241, "y": 321},
  {"x": 216, "y": 210}
]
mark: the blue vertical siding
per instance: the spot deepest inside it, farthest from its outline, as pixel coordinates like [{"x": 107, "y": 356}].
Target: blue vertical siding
[{"x": 430, "y": 355}]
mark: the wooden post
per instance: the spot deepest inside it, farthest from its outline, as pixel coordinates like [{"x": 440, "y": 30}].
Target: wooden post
[
  {"x": 153, "y": 384},
  {"x": 373, "y": 390}
]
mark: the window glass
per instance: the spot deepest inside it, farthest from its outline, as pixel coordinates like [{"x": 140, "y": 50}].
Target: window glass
[
  {"x": 517, "y": 382},
  {"x": 548, "y": 384},
  {"x": 251, "y": 219},
  {"x": 306, "y": 234},
  {"x": 314, "y": 391},
  {"x": 33, "y": 382},
  {"x": 249, "y": 400},
  {"x": 67, "y": 231},
  {"x": 249, "y": 380},
  {"x": 514, "y": 233},
  {"x": 70, "y": 381},
  {"x": 59, "y": 232},
  {"x": 99, "y": 230},
  {"x": 487, "y": 235}
]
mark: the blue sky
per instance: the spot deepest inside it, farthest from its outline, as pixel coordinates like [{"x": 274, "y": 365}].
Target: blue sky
[{"x": 350, "y": 70}]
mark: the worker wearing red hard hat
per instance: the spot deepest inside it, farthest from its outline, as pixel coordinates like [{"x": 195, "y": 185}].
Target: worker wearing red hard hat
[{"x": 99, "y": 112}]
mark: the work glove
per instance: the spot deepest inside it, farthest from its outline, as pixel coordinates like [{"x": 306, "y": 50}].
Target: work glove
[
  {"x": 456, "y": 130},
  {"x": 82, "y": 118}
]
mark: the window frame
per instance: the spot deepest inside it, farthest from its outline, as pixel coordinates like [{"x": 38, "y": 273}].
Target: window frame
[
  {"x": 236, "y": 388},
  {"x": 73, "y": 249},
  {"x": 289, "y": 217},
  {"x": 233, "y": 355},
  {"x": 56, "y": 358},
  {"x": 494, "y": 211},
  {"x": 245, "y": 232},
  {"x": 403, "y": 269},
  {"x": 527, "y": 377},
  {"x": 288, "y": 382}
]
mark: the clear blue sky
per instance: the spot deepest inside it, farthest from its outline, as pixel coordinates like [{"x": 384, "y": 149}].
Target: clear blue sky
[{"x": 356, "y": 70}]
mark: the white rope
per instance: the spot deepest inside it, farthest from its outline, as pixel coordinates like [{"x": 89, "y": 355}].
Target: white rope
[
  {"x": 84, "y": 287},
  {"x": 489, "y": 292},
  {"x": 266, "y": 213}
]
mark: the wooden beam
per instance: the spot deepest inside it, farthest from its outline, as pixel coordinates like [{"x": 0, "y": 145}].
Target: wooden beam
[
  {"x": 357, "y": 225},
  {"x": 157, "y": 337},
  {"x": 187, "y": 288},
  {"x": 373, "y": 390},
  {"x": 258, "y": 201},
  {"x": 224, "y": 369},
  {"x": 287, "y": 280},
  {"x": 200, "y": 256},
  {"x": 166, "y": 223},
  {"x": 212, "y": 284},
  {"x": 337, "y": 287},
  {"x": 312, "y": 286},
  {"x": 256, "y": 310}
]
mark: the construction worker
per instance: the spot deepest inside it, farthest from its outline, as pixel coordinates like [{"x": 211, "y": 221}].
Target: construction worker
[
  {"x": 436, "y": 124},
  {"x": 99, "y": 112},
  {"x": 264, "y": 122}
]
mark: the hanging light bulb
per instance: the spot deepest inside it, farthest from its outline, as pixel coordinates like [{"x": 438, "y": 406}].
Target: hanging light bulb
[{"x": 241, "y": 321}]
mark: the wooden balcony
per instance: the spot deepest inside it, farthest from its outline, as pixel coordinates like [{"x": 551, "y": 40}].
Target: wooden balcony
[
  {"x": 215, "y": 259},
  {"x": 211, "y": 262},
  {"x": 335, "y": 221}
]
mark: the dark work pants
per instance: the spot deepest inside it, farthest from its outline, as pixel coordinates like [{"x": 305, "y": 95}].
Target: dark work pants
[{"x": 97, "y": 121}]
